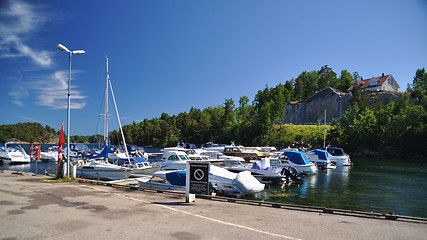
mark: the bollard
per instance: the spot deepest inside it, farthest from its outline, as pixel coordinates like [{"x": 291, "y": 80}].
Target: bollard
[{"x": 74, "y": 170}]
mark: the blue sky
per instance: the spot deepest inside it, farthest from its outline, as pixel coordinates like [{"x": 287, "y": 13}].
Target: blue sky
[{"x": 169, "y": 56}]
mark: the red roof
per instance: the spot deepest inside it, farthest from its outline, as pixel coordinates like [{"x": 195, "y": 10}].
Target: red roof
[{"x": 366, "y": 83}]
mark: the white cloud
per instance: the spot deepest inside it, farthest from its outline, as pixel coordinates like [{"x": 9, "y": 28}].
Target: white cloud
[
  {"x": 19, "y": 21},
  {"x": 34, "y": 120},
  {"x": 18, "y": 93},
  {"x": 52, "y": 92}
]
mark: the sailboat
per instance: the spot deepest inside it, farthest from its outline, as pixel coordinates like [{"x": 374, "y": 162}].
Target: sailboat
[{"x": 99, "y": 167}]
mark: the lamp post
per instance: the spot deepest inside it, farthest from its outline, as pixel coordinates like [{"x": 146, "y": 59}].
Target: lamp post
[{"x": 70, "y": 54}]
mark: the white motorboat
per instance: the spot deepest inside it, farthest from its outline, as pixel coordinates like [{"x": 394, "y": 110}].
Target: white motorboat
[
  {"x": 321, "y": 159},
  {"x": 193, "y": 154},
  {"x": 233, "y": 184},
  {"x": 138, "y": 165},
  {"x": 265, "y": 173},
  {"x": 170, "y": 180},
  {"x": 295, "y": 159},
  {"x": 13, "y": 153},
  {"x": 174, "y": 160},
  {"x": 222, "y": 181},
  {"x": 212, "y": 154},
  {"x": 338, "y": 156},
  {"x": 99, "y": 169},
  {"x": 50, "y": 155}
]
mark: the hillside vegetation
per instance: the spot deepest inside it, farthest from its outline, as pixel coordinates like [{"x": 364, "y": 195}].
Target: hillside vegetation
[{"x": 370, "y": 126}]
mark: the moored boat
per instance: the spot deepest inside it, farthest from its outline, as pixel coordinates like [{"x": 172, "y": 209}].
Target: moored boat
[
  {"x": 13, "y": 153},
  {"x": 265, "y": 173},
  {"x": 138, "y": 165},
  {"x": 296, "y": 159},
  {"x": 338, "y": 156},
  {"x": 174, "y": 160},
  {"x": 50, "y": 155},
  {"x": 249, "y": 154},
  {"x": 99, "y": 169},
  {"x": 222, "y": 181},
  {"x": 321, "y": 158}
]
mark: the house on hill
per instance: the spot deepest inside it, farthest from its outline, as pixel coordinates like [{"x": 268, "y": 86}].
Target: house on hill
[{"x": 383, "y": 83}]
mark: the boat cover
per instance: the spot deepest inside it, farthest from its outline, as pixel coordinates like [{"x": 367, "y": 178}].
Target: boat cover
[
  {"x": 103, "y": 154},
  {"x": 176, "y": 178},
  {"x": 322, "y": 154},
  {"x": 297, "y": 157},
  {"x": 246, "y": 183}
]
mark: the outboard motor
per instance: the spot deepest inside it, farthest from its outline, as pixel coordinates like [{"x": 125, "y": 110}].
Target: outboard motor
[{"x": 291, "y": 174}]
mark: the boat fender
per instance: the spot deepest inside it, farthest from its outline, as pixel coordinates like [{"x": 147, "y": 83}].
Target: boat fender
[{"x": 80, "y": 162}]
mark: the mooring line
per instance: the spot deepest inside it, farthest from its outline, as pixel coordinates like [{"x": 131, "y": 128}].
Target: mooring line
[{"x": 199, "y": 216}]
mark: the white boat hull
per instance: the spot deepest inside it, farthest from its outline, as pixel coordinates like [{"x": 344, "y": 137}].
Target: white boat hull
[
  {"x": 13, "y": 153},
  {"x": 102, "y": 171},
  {"x": 341, "y": 160}
]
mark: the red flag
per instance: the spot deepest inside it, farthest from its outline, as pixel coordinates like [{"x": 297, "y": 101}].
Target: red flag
[{"x": 61, "y": 141}]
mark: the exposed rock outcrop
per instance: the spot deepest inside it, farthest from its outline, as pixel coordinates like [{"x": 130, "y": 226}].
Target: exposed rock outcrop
[{"x": 312, "y": 110}]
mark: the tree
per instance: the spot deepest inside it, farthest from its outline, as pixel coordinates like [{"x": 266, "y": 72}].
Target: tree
[
  {"x": 418, "y": 89},
  {"x": 345, "y": 81},
  {"x": 327, "y": 78}
]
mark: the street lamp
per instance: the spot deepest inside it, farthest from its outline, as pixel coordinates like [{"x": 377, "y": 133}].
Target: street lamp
[{"x": 70, "y": 54}]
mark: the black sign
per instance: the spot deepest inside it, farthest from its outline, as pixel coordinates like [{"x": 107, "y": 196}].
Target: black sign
[{"x": 199, "y": 177}]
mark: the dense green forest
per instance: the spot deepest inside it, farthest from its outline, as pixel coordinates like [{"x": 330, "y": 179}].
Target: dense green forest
[
  {"x": 27, "y": 132},
  {"x": 371, "y": 126}
]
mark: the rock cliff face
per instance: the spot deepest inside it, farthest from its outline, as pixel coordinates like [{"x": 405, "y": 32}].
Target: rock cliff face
[{"x": 312, "y": 110}]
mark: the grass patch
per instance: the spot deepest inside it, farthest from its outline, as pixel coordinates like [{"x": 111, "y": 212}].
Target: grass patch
[
  {"x": 280, "y": 195},
  {"x": 59, "y": 180}
]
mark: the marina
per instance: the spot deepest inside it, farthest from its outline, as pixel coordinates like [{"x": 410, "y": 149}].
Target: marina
[{"x": 370, "y": 185}]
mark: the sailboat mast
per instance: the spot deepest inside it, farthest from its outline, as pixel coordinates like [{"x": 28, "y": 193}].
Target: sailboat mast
[{"x": 107, "y": 78}]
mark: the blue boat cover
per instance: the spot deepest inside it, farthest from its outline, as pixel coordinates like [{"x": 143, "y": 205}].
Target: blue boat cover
[
  {"x": 176, "y": 178},
  {"x": 322, "y": 154},
  {"x": 103, "y": 154},
  {"x": 297, "y": 157}
]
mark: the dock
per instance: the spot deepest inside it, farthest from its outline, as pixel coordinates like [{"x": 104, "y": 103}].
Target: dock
[{"x": 34, "y": 208}]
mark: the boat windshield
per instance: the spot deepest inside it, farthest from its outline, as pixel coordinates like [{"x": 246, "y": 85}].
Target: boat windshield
[
  {"x": 335, "y": 151},
  {"x": 14, "y": 148},
  {"x": 178, "y": 158},
  {"x": 183, "y": 157}
]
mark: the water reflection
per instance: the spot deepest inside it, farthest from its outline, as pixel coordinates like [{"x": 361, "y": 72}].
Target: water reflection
[
  {"x": 379, "y": 186},
  {"x": 37, "y": 167}
]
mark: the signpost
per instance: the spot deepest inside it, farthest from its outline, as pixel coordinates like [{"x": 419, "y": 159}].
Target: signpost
[{"x": 197, "y": 179}]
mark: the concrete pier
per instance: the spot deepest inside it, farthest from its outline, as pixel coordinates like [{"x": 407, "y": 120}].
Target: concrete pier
[{"x": 33, "y": 209}]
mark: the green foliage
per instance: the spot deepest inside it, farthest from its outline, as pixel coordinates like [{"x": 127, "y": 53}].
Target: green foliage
[
  {"x": 396, "y": 127},
  {"x": 27, "y": 132},
  {"x": 309, "y": 136}
]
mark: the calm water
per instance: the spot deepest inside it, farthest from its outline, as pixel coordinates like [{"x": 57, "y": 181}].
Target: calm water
[
  {"x": 370, "y": 185},
  {"x": 379, "y": 186}
]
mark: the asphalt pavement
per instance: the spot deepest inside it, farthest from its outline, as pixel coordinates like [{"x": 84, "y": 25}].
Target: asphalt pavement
[{"x": 31, "y": 208}]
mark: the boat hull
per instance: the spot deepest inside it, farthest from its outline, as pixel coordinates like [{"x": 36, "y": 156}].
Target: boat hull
[{"x": 102, "y": 171}]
